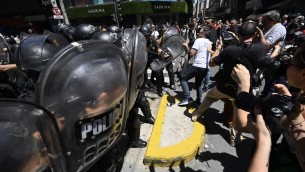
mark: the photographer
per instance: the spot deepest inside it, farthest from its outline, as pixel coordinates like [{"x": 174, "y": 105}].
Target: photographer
[{"x": 293, "y": 122}]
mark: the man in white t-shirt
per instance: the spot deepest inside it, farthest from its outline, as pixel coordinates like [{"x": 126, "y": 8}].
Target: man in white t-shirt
[{"x": 201, "y": 50}]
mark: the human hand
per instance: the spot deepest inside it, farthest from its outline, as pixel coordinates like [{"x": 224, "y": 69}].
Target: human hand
[
  {"x": 259, "y": 31},
  {"x": 240, "y": 74},
  {"x": 258, "y": 128},
  {"x": 185, "y": 45},
  {"x": 282, "y": 89},
  {"x": 232, "y": 34}
]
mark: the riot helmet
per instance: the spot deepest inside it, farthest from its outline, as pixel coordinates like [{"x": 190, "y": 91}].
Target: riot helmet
[
  {"x": 10, "y": 40},
  {"x": 106, "y": 36},
  {"x": 115, "y": 32},
  {"x": 84, "y": 32},
  {"x": 170, "y": 31},
  {"x": 66, "y": 30},
  {"x": 145, "y": 30},
  {"x": 113, "y": 29},
  {"x": 148, "y": 23},
  {"x": 35, "y": 51}
]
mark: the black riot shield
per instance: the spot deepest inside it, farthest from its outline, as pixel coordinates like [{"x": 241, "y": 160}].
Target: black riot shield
[
  {"x": 172, "y": 48},
  {"x": 85, "y": 85},
  {"x": 133, "y": 45},
  {"x": 29, "y": 139}
]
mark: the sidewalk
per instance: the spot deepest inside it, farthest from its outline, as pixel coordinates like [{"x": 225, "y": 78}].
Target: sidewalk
[{"x": 172, "y": 140}]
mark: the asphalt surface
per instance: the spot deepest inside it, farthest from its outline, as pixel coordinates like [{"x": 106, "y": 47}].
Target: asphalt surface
[{"x": 215, "y": 154}]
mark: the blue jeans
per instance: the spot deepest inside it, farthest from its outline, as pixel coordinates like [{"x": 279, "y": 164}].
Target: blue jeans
[
  {"x": 199, "y": 74},
  {"x": 207, "y": 79}
]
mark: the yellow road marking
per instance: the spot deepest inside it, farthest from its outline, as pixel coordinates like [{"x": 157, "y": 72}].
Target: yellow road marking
[{"x": 173, "y": 155}]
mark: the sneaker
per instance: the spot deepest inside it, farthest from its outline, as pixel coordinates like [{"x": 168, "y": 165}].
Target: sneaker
[
  {"x": 185, "y": 102},
  {"x": 235, "y": 137},
  {"x": 205, "y": 89}
]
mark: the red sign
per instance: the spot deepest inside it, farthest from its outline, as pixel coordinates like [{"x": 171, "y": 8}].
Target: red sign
[{"x": 56, "y": 11}]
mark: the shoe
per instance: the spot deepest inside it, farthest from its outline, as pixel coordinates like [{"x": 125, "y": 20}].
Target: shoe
[
  {"x": 198, "y": 102},
  {"x": 235, "y": 137},
  {"x": 205, "y": 89},
  {"x": 195, "y": 116},
  {"x": 185, "y": 102},
  {"x": 160, "y": 94},
  {"x": 173, "y": 87},
  {"x": 138, "y": 144},
  {"x": 150, "y": 120}
]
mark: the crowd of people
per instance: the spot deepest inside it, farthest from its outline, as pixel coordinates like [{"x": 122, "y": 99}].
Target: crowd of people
[{"x": 265, "y": 47}]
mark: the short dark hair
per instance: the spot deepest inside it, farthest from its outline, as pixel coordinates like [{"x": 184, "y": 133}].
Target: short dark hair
[{"x": 247, "y": 28}]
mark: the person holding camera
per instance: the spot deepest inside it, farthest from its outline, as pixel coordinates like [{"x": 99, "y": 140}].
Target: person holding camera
[
  {"x": 294, "y": 123},
  {"x": 247, "y": 53}
]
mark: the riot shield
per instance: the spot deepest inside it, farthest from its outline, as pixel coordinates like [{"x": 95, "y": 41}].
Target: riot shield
[
  {"x": 29, "y": 139},
  {"x": 134, "y": 43},
  {"x": 172, "y": 48},
  {"x": 85, "y": 85}
]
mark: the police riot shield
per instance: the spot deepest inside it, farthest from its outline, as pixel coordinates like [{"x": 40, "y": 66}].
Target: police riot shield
[
  {"x": 85, "y": 86},
  {"x": 172, "y": 48},
  {"x": 29, "y": 139},
  {"x": 134, "y": 43}
]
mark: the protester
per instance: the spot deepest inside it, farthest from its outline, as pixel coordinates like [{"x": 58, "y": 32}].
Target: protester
[{"x": 201, "y": 51}]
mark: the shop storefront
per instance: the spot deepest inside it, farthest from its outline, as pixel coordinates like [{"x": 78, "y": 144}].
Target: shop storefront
[{"x": 99, "y": 12}]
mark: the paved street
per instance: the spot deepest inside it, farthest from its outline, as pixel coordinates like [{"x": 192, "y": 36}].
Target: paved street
[{"x": 215, "y": 155}]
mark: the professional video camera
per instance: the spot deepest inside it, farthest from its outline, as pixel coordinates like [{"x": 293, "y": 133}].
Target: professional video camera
[{"x": 273, "y": 109}]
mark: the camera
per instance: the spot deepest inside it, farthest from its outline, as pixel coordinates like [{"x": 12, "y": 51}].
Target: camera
[
  {"x": 227, "y": 38},
  {"x": 273, "y": 109}
]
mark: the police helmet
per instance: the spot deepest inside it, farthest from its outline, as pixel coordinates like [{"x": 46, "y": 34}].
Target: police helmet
[
  {"x": 84, "y": 32},
  {"x": 35, "y": 51},
  {"x": 113, "y": 29},
  {"x": 170, "y": 31},
  {"x": 66, "y": 30},
  {"x": 104, "y": 36},
  {"x": 145, "y": 30}
]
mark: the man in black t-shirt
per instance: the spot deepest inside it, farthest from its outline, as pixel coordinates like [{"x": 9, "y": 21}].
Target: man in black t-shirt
[{"x": 247, "y": 53}]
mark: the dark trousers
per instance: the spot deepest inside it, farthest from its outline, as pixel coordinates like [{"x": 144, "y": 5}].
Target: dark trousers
[{"x": 199, "y": 74}]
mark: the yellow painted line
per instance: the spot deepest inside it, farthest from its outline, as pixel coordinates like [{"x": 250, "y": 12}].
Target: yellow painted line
[{"x": 173, "y": 155}]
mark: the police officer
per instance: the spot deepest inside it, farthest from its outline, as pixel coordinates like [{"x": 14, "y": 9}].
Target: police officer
[{"x": 153, "y": 51}]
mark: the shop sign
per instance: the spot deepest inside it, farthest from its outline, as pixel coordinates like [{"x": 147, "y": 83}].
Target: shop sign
[
  {"x": 159, "y": 7},
  {"x": 94, "y": 11}
]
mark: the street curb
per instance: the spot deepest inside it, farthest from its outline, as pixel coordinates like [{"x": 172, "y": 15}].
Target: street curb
[{"x": 173, "y": 155}]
